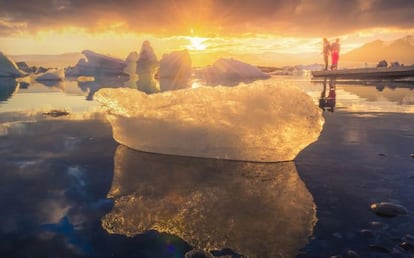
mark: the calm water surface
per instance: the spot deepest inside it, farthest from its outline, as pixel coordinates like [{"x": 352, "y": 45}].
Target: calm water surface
[{"x": 69, "y": 190}]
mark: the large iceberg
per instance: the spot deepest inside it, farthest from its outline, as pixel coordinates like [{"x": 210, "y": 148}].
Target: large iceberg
[
  {"x": 147, "y": 65},
  {"x": 97, "y": 65},
  {"x": 255, "y": 209},
  {"x": 266, "y": 123},
  {"x": 8, "y": 67},
  {"x": 229, "y": 72},
  {"x": 175, "y": 71}
]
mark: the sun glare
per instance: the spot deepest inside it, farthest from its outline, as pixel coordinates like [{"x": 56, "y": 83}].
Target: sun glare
[{"x": 196, "y": 43}]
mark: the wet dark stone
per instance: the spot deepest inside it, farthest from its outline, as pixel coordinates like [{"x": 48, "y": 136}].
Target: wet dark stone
[
  {"x": 367, "y": 233},
  {"x": 408, "y": 237},
  {"x": 379, "y": 224},
  {"x": 351, "y": 254},
  {"x": 407, "y": 245},
  {"x": 412, "y": 155},
  {"x": 381, "y": 154},
  {"x": 196, "y": 253},
  {"x": 379, "y": 248},
  {"x": 56, "y": 113},
  {"x": 388, "y": 209}
]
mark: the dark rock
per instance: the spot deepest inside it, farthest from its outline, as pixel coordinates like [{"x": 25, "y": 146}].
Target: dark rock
[
  {"x": 408, "y": 237},
  {"x": 407, "y": 245},
  {"x": 382, "y": 63},
  {"x": 56, "y": 113},
  {"x": 395, "y": 64},
  {"x": 351, "y": 254},
  {"x": 379, "y": 248},
  {"x": 197, "y": 253},
  {"x": 367, "y": 233},
  {"x": 388, "y": 209}
]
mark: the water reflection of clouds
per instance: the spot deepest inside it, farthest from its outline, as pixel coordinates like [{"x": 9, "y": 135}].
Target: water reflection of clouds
[
  {"x": 50, "y": 196},
  {"x": 252, "y": 208}
]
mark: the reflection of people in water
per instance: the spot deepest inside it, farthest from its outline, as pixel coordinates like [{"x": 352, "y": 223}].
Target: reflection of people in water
[
  {"x": 330, "y": 100},
  {"x": 322, "y": 99}
]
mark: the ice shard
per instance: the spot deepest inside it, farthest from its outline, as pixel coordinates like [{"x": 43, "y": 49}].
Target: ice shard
[{"x": 266, "y": 123}]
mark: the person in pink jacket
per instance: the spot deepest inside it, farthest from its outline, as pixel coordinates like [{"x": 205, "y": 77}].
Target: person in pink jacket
[{"x": 335, "y": 48}]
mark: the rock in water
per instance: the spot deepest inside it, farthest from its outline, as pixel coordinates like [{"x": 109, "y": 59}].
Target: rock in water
[
  {"x": 388, "y": 209},
  {"x": 196, "y": 253},
  {"x": 253, "y": 123}
]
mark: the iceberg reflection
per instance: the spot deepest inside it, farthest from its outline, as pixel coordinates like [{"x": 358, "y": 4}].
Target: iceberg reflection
[
  {"x": 7, "y": 87},
  {"x": 256, "y": 209}
]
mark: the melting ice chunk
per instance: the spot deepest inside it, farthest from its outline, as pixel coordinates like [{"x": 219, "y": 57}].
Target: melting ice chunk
[{"x": 266, "y": 123}]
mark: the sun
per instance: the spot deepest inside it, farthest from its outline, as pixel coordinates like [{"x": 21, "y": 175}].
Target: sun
[{"x": 196, "y": 43}]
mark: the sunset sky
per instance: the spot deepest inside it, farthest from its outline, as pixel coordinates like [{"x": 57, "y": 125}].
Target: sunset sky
[{"x": 250, "y": 30}]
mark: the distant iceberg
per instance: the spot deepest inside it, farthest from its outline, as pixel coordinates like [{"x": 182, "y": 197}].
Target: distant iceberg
[
  {"x": 51, "y": 75},
  {"x": 228, "y": 71},
  {"x": 131, "y": 62},
  {"x": 175, "y": 70},
  {"x": 147, "y": 65},
  {"x": 97, "y": 65},
  {"x": 8, "y": 67},
  {"x": 253, "y": 123}
]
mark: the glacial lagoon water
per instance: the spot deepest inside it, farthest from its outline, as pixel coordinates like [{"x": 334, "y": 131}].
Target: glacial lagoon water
[{"x": 69, "y": 190}]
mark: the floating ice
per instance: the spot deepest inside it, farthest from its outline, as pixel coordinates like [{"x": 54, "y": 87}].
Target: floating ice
[
  {"x": 255, "y": 209},
  {"x": 257, "y": 123},
  {"x": 8, "y": 67},
  {"x": 175, "y": 70},
  {"x": 52, "y": 75},
  {"x": 97, "y": 64},
  {"x": 147, "y": 65},
  {"x": 131, "y": 62},
  {"x": 228, "y": 71}
]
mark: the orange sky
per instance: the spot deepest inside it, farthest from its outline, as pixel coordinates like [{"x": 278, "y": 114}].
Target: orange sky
[{"x": 259, "y": 32}]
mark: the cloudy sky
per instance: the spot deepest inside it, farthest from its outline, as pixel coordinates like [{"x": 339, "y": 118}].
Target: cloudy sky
[{"x": 247, "y": 29}]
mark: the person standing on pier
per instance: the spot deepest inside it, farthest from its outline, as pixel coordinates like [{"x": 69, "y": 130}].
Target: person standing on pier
[
  {"x": 326, "y": 52},
  {"x": 335, "y": 48}
]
